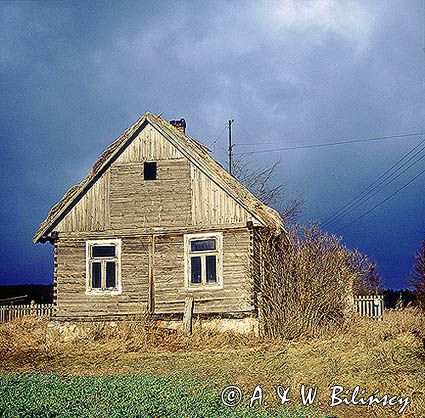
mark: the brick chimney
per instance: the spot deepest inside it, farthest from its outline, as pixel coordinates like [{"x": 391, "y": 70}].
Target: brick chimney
[{"x": 179, "y": 124}]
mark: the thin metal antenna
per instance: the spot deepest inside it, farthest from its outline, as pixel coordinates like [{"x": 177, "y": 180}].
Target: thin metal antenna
[{"x": 230, "y": 145}]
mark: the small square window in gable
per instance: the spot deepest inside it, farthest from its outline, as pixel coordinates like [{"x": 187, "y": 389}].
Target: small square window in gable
[{"x": 149, "y": 170}]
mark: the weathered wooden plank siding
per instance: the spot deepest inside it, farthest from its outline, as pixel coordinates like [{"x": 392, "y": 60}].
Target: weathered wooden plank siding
[
  {"x": 211, "y": 205},
  {"x": 168, "y": 278},
  {"x": 91, "y": 213},
  {"x": 170, "y": 292},
  {"x": 182, "y": 195},
  {"x": 122, "y": 204},
  {"x": 71, "y": 280},
  {"x": 149, "y": 145},
  {"x": 136, "y": 203}
]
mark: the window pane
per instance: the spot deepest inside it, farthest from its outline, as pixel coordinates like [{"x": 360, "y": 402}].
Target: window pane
[
  {"x": 202, "y": 244},
  {"x": 110, "y": 274},
  {"x": 103, "y": 251},
  {"x": 149, "y": 171},
  {"x": 195, "y": 270},
  {"x": 96, "y": 275},
  {"x": 211, "y": 264}
]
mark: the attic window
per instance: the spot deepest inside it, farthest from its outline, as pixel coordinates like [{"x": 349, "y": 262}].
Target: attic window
[
  {"x": 149, "y": 171},
  {"x": 103, "y": 266}
]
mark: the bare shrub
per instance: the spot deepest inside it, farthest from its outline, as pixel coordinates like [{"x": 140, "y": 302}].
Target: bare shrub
[
  {"x": 418, "y": 276},
  {"x": 306, "y": 285},
  {"x": 367, "y": 280},
  {"x": 259, "y": 180}
]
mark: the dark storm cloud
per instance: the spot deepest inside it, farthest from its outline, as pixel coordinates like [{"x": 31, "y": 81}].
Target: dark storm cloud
[{"x": 75, "y": 75}]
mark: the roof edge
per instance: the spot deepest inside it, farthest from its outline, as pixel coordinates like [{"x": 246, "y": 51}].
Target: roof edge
[
  {"x": 116, "y": 146},
  {"x": 72, "y": 193}
]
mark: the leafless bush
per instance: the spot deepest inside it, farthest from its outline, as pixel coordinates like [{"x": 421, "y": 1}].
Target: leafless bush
[
  {"x": 306, "y": 285},
  {"x": 259, "y": 181},
  {"x": 367, "y": 280},
  {"x": 418, "y": 276}
]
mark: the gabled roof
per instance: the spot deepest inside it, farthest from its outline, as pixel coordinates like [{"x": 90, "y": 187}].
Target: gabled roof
[{"x": 194, "y": 151}]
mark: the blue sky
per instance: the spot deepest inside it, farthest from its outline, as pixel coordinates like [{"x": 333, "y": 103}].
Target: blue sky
[{"x": 74, "y": 75}]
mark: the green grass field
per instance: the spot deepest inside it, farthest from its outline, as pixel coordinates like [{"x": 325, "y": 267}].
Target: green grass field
[{"x": 51, "y": 395}]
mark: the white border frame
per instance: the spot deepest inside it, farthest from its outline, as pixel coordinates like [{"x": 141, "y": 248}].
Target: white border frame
[
  {"x": 219, "y": 242},
  {"x": 112, "y": 241}
]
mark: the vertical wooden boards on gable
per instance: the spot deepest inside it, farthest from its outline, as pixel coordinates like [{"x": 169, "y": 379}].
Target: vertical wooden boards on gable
[
  {"x": 147, "y": 146},
  {"x": 91, "y": 212},
  {"x": 211, "y": 205},
  {"x": 181, "y": 196}
]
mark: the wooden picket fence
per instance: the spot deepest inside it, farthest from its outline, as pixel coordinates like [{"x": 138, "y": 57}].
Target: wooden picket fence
[
  {"x": 370, "y": 305},
  {"x": 366, "y": 305},
  {"x": 9, "y": 312}
]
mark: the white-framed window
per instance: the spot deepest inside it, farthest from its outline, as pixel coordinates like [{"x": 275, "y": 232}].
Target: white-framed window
[
  {"x": 103, "y": 266},
  {"x": 203, "y": 260}
]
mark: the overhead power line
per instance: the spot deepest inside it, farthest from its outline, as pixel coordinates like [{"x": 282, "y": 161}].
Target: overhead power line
[
  {"x": 385, "y": 185},
  {"x": 218, "y": 136},
  {"x": 327, "y": 144},
  {"x": 383, "y": 180},
  {"x": 382, "y": 201}
]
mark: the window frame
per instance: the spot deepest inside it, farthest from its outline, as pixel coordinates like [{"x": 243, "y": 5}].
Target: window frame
[
  {"x": 188, "y": 254},
  {"x": 116, "y": 242},
  {"x": 153, "y": 164}
]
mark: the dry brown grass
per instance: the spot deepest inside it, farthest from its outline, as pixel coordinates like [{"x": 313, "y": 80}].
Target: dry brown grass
[
  {"x": 388, "y": 355},
  {"x": 144, "y": 335},
  {"x": 23, "y": 342}
]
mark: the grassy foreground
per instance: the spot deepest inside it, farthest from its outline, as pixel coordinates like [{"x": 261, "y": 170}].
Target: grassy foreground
[
  {"x": 51, "y": 395},
  {"x": 146, "y": 372}
]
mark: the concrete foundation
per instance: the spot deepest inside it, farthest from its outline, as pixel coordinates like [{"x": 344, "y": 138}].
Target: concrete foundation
[{"x": 71, "y": 330}]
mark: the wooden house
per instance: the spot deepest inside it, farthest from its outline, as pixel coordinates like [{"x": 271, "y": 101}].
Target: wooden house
[{"x": 155, "y": 220}]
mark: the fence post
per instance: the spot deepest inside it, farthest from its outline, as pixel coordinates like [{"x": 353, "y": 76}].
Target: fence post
[{"x": 32, "y": 308}]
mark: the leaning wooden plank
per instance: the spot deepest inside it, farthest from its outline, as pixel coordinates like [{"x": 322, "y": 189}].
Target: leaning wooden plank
[{"x": 187, "y": 315}]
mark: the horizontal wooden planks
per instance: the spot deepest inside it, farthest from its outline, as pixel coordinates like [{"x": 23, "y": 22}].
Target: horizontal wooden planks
[
  {"x": 136, "y": 203},
  {"x": 170, "y": 292},
  {"x": 71, "y": 280},
  {"x": 169, "y": 288}
]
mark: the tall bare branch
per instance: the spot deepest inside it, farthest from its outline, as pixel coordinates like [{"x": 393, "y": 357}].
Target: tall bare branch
[{"x": 261, "y": 181}]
